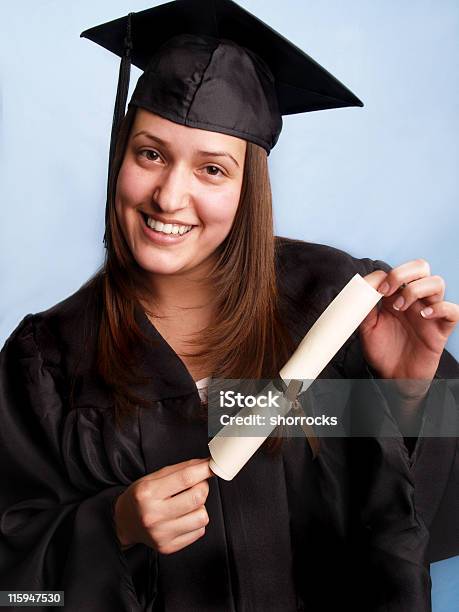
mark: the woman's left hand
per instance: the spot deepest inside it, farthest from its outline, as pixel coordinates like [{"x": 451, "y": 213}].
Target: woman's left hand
[{"x": 397, "y": 340}]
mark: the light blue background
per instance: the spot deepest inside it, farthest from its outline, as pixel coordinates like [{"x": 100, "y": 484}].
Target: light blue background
[{"x": 379, "y": 181}]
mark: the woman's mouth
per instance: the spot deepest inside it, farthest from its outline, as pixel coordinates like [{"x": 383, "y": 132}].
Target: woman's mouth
[
  {"x": 164, "y": 233},
  {"x": 166, "y": 228}
]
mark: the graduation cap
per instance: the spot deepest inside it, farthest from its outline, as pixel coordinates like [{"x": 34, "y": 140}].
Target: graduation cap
[{"x": 211, "y": 64}]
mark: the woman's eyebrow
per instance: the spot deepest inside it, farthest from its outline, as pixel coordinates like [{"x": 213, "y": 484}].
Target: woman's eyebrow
[
  {"x": 151, "y": 137},
  {"x": 217, "y": 154},
  {"x": 201, "y": 153}
]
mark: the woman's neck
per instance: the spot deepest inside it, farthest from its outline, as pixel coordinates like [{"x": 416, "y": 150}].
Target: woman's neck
[
  {"x": 181, "y": 293},
  {"x": 181, "y": 307},
  {"x": 181, "y": 310},
  {"x": 177, "y": 296}
]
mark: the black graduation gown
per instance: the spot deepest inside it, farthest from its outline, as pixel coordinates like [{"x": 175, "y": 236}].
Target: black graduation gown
[{"x": 349, "y": 527}]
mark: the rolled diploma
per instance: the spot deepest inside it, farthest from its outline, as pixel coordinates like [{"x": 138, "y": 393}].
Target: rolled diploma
[{"x": 228, "y": 449}]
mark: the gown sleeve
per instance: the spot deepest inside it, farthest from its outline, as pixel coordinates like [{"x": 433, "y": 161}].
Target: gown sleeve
[
  {"x": 55, "y": 534},
  {"x": 390, "y": 496},
  {"x": 433, "y": 455}
]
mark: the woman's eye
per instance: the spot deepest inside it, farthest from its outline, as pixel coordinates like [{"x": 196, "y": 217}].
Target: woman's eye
[
  {"x": 149, "y": 154},
  {"x": 213, "y": 170}
]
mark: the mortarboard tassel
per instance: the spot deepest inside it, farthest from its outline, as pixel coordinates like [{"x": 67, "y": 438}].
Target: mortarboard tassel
[{"x": 120, "y": 105}]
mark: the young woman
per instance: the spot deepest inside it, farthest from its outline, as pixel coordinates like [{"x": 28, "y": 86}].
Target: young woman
[{"x": 104, "y": 434}]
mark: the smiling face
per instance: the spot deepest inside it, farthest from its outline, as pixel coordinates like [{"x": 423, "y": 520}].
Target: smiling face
[{"x": 177, "y": 193}]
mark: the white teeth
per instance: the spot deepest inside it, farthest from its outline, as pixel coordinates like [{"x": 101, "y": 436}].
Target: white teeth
[{"x": 167, "y": 228}]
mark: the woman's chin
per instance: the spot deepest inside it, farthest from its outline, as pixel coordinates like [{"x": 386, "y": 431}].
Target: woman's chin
[
  {"x": 160, "y": 267},
  {"x": 155, "y": 260}
]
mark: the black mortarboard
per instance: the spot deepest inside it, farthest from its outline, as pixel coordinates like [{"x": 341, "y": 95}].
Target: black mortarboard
[{"x": 211, "y": 64}]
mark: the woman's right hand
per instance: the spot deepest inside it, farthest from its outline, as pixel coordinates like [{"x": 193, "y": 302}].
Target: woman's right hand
[{"x": 165, "y": 509}]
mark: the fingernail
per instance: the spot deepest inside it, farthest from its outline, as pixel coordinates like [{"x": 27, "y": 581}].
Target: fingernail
[
  {"x": 425, "y": 312},
  {"x": 384, "y": 288},
  {"x": 398, "y": 303}
]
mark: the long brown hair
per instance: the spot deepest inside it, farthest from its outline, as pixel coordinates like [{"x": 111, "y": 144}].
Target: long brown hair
[{"x": 247, "y": 339}]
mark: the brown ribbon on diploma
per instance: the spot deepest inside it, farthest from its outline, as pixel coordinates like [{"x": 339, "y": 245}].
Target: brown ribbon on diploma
[{"x": 291, "y": 393}]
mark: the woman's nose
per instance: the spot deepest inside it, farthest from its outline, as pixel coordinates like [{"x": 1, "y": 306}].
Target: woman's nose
[{"x": 172, "y": 191}]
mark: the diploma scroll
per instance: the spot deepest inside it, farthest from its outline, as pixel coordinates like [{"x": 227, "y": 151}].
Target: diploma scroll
[{"x": 228, "y": 449}]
